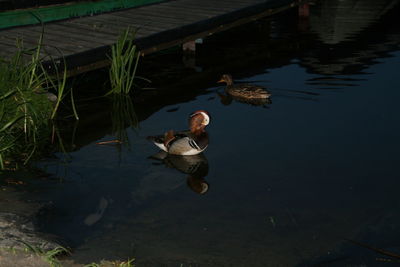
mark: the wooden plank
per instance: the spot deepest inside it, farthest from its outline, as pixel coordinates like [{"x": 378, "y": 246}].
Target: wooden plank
[
  {"x": 120, "y": 26},
  {"x": 179, "y": 17},
  {"x": 85, "y": 39},
  {"x": 159, "y": 20},
  {"x": 215, "y": 8},
  {"x": 146, "y": 23},
  {"x": 7, "y": 44},
  {"x": 68, "y": 44},
  {"x": 132, "y": 21},
  {"x": 82, "y": 29},
  {"x": 28, "y": 41},
  {"x": 106, "y": 29},
  {"x": 87, "y": 28},
  {"x": 6, "y": 48},
  {"x": 117, "y": 26},
  {"x": 196, "y": 9},
  {"x": 182, "y": 11},
  {"x": 141, "y": 18}
]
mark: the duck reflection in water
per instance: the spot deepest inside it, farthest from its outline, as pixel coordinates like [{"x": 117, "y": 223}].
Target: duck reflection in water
[
  {"x": 195, "y": 166},
  {"x": 245, "y": 93},
  {"x": 227, "y": 100}
]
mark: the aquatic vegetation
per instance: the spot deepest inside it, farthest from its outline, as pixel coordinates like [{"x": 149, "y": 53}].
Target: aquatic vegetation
[
  {"x": 124, "y": 62},
  {"x": 25, "y": 109}
]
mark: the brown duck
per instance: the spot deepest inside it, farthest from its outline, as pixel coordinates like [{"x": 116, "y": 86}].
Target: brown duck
[{"x": 243, "y": 91}]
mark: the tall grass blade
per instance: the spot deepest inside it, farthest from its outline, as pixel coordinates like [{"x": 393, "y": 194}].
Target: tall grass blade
[
  {"x": 8, "y": 94},
  {"x": 59, "y": 86},
  {"x": 73, "y": 105},
  {"x": 124, "y": 62},
  {"x": 1, "y": 162},
  {"x": 10, "y": 123}
]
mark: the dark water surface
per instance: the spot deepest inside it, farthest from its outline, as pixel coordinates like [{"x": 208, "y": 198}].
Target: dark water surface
[{"x": 288, "y": 181}]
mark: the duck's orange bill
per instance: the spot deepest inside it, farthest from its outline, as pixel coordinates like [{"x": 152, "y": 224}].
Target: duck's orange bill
[{"x": 221, "y": 81}]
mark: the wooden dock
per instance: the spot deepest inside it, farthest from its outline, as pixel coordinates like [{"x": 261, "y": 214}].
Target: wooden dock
[{"x": 84, "y": 42}]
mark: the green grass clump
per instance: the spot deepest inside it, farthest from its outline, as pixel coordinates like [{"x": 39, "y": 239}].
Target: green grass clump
[
  {"x": 55, "y": 257},
  {"x": 25, "y": 110},
  {"x": 124, "y": 62},
  {"x": 128, "y": 263},
  {"x": 24, "y": 107},
  {"x": 49, "y": 256}
]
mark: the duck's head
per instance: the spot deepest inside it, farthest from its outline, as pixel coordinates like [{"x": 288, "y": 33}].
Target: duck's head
[
  {"x": 226, "y": 78},
  {"x": 198, "y": 120}
]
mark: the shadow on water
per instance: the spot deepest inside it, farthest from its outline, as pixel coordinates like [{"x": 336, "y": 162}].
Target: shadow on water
[{"x": 289, "y": 183}]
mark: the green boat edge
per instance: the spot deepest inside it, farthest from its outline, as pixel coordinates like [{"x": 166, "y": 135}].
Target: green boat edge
[{"x": 31, "y": 16}]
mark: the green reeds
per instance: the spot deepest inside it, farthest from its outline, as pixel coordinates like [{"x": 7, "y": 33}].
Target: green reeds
[
  {"x": 24, "y": 108},
  {"x": 6, "y": 138},
  {"x": 124, "y": 62}
]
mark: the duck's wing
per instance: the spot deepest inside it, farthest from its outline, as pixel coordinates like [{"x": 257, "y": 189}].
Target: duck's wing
[
  {"x": 188, "y": 144},
  {"x": 248, "y": 91},
  {"x": 183, "y": 143},
  {"x": 184, "y": 146},
  {"x": 164, "y": 141}
]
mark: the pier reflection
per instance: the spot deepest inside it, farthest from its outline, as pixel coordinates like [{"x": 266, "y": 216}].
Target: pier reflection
[
  {"x": 352, "y": 35},
  {"x": 339, "y": 21}
]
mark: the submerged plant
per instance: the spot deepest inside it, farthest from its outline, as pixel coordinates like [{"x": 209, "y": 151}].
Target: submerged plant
[
  {"x": 124, "y": 62},
  {"x": 123, "y": 115}
]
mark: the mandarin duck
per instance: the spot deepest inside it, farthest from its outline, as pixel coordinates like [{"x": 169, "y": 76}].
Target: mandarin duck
[{"x": 186, "y": 143}]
